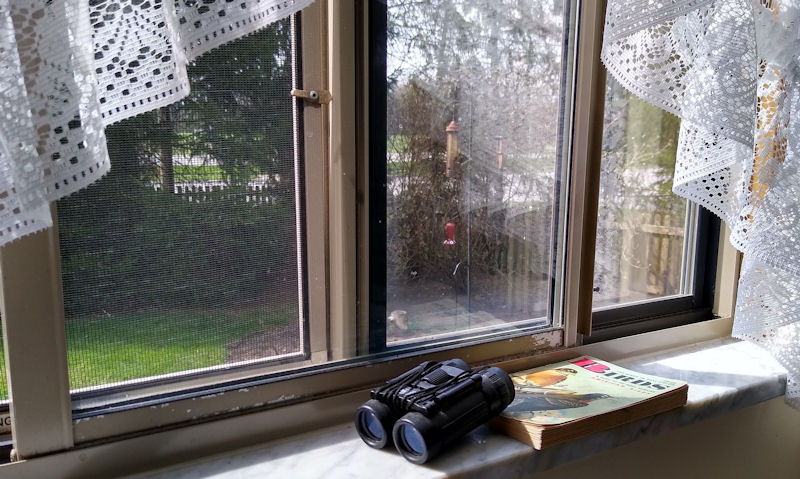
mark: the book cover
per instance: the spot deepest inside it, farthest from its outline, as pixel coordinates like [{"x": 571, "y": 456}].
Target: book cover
[{"x": 557, "y": 395}]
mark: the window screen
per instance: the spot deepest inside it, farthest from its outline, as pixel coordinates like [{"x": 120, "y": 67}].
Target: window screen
[
  {"x": 185, "y": 256},
  {"x": 3, "y": 382}
]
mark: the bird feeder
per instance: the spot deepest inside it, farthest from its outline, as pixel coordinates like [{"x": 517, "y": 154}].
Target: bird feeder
[
  {"x": 500, "y": 151},
  {"x": 452, "y": 145},
  {"x": 450, "y": 229}
]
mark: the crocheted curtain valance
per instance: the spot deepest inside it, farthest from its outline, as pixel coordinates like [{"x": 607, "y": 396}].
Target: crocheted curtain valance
[
  {"x": 729, "y": 70},
  {"x": 68, "y": 68}
]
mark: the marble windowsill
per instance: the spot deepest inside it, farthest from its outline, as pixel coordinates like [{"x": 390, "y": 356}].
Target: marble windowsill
[{"x": 723, "y": 375}]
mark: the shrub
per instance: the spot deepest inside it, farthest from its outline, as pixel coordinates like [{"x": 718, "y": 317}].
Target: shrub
[{"x": 149, "y": 249}]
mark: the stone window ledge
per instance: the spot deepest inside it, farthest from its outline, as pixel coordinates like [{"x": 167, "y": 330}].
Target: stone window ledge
[{"x": 723, "y": 375}]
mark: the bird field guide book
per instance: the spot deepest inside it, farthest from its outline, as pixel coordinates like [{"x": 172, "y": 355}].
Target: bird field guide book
[{"x": 564, "y": 401}]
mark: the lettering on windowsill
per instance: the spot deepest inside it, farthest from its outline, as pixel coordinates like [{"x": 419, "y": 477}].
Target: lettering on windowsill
[{"x": 5, "y": 423}]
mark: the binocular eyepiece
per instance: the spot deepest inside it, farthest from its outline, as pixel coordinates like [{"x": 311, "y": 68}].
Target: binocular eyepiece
[{"x": 431, "y": 405}]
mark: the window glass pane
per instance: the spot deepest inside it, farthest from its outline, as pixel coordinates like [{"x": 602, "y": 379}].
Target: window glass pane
[
  {"x": 473, "y": 147},
  {"x": 186, "y": 255},
  {"x": 641, "y": 226}
]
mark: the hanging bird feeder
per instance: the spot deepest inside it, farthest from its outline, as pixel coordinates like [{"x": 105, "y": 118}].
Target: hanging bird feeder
[
  {"x": 450, "y": 229},
  {"x": 452, "y": 145},
  {"x": 500, "y": 151}
]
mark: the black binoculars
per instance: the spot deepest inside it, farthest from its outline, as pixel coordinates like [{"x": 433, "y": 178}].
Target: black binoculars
[{"x": 432, "y": 405}]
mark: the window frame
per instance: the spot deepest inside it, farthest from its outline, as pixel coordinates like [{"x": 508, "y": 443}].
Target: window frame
[{"x": 338, "y": 284}]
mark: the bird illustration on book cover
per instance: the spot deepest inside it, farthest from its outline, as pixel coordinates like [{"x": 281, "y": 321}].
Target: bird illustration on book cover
[
  {"x": 548, "y": 377},
  {"x": 579, "y": 388},
  {"x": 534, "y": 392},
  {"x": 531, "y": 399}
]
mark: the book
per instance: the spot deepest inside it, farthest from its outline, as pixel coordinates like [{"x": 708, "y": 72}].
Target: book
[{"x": 567, "y": 400}]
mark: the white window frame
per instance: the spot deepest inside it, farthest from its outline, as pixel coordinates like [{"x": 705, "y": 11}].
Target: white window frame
[{"x": 333, "y": 58}]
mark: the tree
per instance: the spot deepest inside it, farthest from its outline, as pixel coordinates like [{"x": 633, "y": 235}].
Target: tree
[
  {"x": 239, "y": 111},
  {"x": 237, "y": 115},
  {"x": 495, "y": 68},
  {"x": 126, "y": 246}
]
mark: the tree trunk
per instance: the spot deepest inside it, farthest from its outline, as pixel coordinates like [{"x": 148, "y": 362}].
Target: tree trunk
[{"x": 166, "y": 147}]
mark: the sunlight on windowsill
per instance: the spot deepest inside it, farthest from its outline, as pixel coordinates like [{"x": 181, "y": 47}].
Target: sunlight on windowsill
[{"x": 723, "y": 375}]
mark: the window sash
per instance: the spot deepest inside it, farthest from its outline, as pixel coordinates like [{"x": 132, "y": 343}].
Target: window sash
[
  {"x": 584, "y": 186},
  {"x": 624, "y": 319},
  {"x": 567, "y": 172}
]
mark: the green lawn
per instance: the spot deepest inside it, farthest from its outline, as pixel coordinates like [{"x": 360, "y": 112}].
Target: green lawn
[
  {"x": 197, "y": 173},
  {"x": 138, "y": 345}
]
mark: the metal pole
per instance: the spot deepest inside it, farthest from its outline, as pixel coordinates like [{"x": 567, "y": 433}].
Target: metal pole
[{"x": 469, "y": 213}]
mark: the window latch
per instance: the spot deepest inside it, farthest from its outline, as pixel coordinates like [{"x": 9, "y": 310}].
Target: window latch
[{"x": 319, "y": 97}]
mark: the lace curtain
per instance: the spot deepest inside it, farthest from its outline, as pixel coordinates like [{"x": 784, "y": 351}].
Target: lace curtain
[
  {"x": 68, "y": 68},
  {"x": 728, "y": 69}
]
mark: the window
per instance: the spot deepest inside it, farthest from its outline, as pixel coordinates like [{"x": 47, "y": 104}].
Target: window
[
  {"x": 187, "y": 255},
  {"x": 641, "y": 223},
  {"x": 251, "y": 250},
  {"x": 474, "y": 171},
  {"x": 653, "y": 248}
]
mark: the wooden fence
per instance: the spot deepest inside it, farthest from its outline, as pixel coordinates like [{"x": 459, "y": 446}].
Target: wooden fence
[
  {"x": 651, "y": 254},
  {"x": 257, "y": 194}
]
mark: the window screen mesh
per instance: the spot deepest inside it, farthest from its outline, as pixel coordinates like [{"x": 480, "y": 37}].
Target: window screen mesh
[
  {"x": 186, "y": 255},
  {"x": 3, "y": 382}
]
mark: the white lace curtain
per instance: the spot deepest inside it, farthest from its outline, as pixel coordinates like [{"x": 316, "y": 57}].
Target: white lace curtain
[
  {"x": 729, "y": 70},
  {"x": 68, "y": 68}
]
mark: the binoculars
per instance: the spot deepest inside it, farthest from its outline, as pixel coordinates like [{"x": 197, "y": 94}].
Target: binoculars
[{"x": 431, "y": 405}]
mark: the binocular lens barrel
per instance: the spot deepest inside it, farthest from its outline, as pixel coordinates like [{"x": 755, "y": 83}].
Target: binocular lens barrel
[
  {"x": 372, "y": 425},
  {"x": 412, "y": 440},
  {"x": 419, "y": 438},
  {"x": 374, "y": 421},
  {"x": 413, "y": 443}
]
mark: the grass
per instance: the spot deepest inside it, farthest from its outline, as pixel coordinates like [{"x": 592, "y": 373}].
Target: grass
[{"x": 138, "y": 345}]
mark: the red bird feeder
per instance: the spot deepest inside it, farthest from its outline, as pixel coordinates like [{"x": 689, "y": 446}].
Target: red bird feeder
[{"x": 450, "y": 229}]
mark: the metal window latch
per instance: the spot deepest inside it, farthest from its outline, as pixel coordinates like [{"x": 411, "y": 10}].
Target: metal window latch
[{"x": 314, "y": 96}]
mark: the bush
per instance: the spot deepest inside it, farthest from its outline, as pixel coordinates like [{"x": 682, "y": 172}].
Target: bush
[
  {"x": 509, "y": 238},
  {"x": 144, "y": 249}
]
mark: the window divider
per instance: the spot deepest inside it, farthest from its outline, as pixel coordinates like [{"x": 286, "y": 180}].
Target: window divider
[
  {"x": 315, "y": 125},
  {"x": 585, "y": 172},
  {"x": 376, "y": 168},
  {"x": 342, "y": 179},
  {"x": 35, "y": 344}
]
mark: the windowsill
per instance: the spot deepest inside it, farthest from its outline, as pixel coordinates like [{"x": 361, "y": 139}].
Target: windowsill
[{"x": 723, "y": 375}]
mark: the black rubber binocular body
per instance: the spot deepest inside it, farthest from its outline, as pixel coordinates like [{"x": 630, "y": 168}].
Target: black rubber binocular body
[{"x": 428, "y": 407}]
